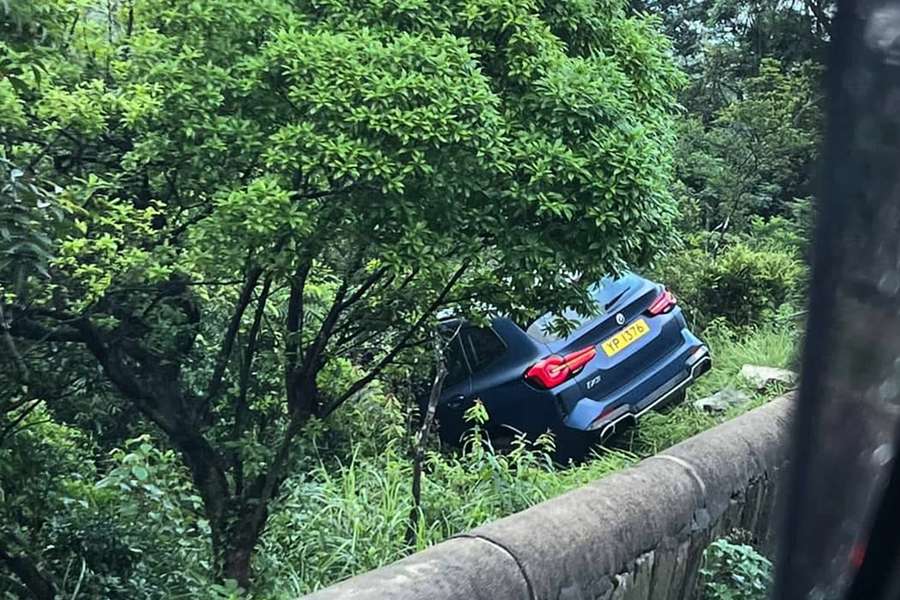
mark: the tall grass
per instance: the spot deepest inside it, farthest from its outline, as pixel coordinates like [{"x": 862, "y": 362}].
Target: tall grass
[
  {"x": 346, "y": 516},
  {"x": 337, "y": 521}
]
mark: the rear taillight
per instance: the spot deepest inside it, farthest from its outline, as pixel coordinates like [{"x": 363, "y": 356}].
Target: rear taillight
[
  {"x": 663, "y": 303},
  {"x": 551, "y": 371}
]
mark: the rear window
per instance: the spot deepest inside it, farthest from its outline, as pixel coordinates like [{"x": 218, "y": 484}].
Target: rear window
[
  {"x": 482, "y": 347},
  {"x": 553, "y": 327}
]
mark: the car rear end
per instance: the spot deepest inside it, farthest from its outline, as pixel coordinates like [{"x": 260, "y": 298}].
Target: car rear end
[{"x": 617, "y": 366}]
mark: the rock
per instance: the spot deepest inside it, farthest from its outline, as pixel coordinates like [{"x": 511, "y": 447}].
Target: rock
[
  {"x": 762, "y": 377},
  {"x": 722, "y": 400}
]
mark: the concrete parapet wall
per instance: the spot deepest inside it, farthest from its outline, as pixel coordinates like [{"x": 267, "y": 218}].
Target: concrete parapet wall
[{"x": 638, "y": 534}]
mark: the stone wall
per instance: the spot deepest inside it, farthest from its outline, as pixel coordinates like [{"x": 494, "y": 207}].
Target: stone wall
[{"x": 638, "y": 534}]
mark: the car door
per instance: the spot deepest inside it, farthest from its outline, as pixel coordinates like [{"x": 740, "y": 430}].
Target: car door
[
  {"x": 456, "y": 394},
  {"x": 470, "y": 354},
  {"x": 487, "y": 354}
]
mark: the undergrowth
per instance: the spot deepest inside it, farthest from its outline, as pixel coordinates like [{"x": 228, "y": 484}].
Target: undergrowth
[
  {"x": 773, "y": 346},
  {"x": 348, "y": 515},
  {"x": 733, "y": 570}
]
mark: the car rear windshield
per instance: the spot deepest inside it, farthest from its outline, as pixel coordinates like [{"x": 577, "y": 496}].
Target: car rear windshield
[{"x": 547, "y": 328}]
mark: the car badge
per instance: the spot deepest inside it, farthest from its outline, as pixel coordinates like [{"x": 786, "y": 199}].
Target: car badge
[{"x": 620, "y": 319}]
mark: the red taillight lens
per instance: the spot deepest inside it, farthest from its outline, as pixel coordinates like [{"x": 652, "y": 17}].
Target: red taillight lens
[
  {"x": 551, "y": 371},
  {"x": 663, "y": 303}
]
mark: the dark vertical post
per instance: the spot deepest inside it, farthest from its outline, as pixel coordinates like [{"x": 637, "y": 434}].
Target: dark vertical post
[{"x": 849, "y": 399}]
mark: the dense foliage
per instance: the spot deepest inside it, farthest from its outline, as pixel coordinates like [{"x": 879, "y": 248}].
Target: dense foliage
[
  {"x": 747, "y": 152},
  {"x": 226, "y": 227},
  {"x": 741, "y": 284},
  {"x": 228, "y": 218},
  {"x": 345, "y": 510}
]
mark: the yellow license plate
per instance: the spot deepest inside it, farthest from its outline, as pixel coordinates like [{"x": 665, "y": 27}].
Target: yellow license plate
[{"x": 624, "y": 338}]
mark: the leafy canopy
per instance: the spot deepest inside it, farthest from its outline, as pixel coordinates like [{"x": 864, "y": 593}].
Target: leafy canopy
[{"x": 259, "y": 205}]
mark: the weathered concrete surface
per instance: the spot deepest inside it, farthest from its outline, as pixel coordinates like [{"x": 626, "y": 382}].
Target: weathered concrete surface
[
  {"x": 637, "y": 534},
  {"x": 456, "y": 568}
]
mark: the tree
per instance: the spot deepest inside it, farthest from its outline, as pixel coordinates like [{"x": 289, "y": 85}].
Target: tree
[
  {"x": 720, "y": 43},
  {"x": 757, "y": 154},
  {"x": 747, "y": 144},
  {"x": 267, "y": 202}
]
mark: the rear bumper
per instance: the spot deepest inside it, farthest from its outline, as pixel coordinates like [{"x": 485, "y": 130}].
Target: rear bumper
[{"x": 668, "y": 378}]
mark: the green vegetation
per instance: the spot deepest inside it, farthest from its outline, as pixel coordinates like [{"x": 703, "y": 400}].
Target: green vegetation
[
  {"x": 345, "y": 510},
  {"x": 739, "y": 284},
  {"x": 772, "y": 345},
  {"x": 227, "y": 226},
  {"x": 263, "y": 205},
  {"x": 735, "y": 571}
]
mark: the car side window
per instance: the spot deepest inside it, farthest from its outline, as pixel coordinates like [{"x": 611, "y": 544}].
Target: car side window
[
  {"x": 482, "y": 347},
  {"x": 457, "y": 369}
]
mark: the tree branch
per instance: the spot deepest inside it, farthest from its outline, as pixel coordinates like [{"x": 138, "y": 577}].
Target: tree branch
[
  {"x": 351, "y": 327},
  {"x": 11, "y": 427},
  {"x": 437, "y": 386},
  {"x": 823, "y": 23},
  {"x": 130, "y": 27},
  {"x": 11, "y": 346},
  {"x": 161, "y": 401},
  {"x": 241, "y": 409},
  {"x": 314, "y": 351},
  {"x": 295, "y": 315},
  {"x": 364, "y": 287},
  {"x": 115, "y": 370},
  {"x": 265, "y": 486},
  {"x": 215, "y": 382},
  {"x": 362, "y": 382},
  {"x": 349, "y": 341},
  {"x": 32, "y": 330}
]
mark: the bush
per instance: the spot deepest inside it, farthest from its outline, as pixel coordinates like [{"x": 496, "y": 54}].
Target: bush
[
  {"x": 742, "y": 285},
  {"x": 733, "y": 571},
  {"x": 123, "y": 524}
]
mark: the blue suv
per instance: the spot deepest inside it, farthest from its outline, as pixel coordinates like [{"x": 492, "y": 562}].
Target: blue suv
[{"x": 613, "y": 367}]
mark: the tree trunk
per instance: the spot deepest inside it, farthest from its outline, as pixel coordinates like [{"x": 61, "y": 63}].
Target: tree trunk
[
  {"x": 237, "y": 566},
  {"x": 238, "y": 535},
  {"x": 31, "y": 577},
  {"x": 419, "y": 446}
]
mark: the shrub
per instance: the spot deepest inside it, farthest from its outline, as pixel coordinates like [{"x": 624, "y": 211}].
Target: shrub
[
  {"x": 116, "y": 525},
  {"x": 742, "y": 285},
  {"x": 733, "y": 571}
]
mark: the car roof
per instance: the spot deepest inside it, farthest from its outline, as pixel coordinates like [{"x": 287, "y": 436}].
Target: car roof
[{"x": 603, "y": 290}]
